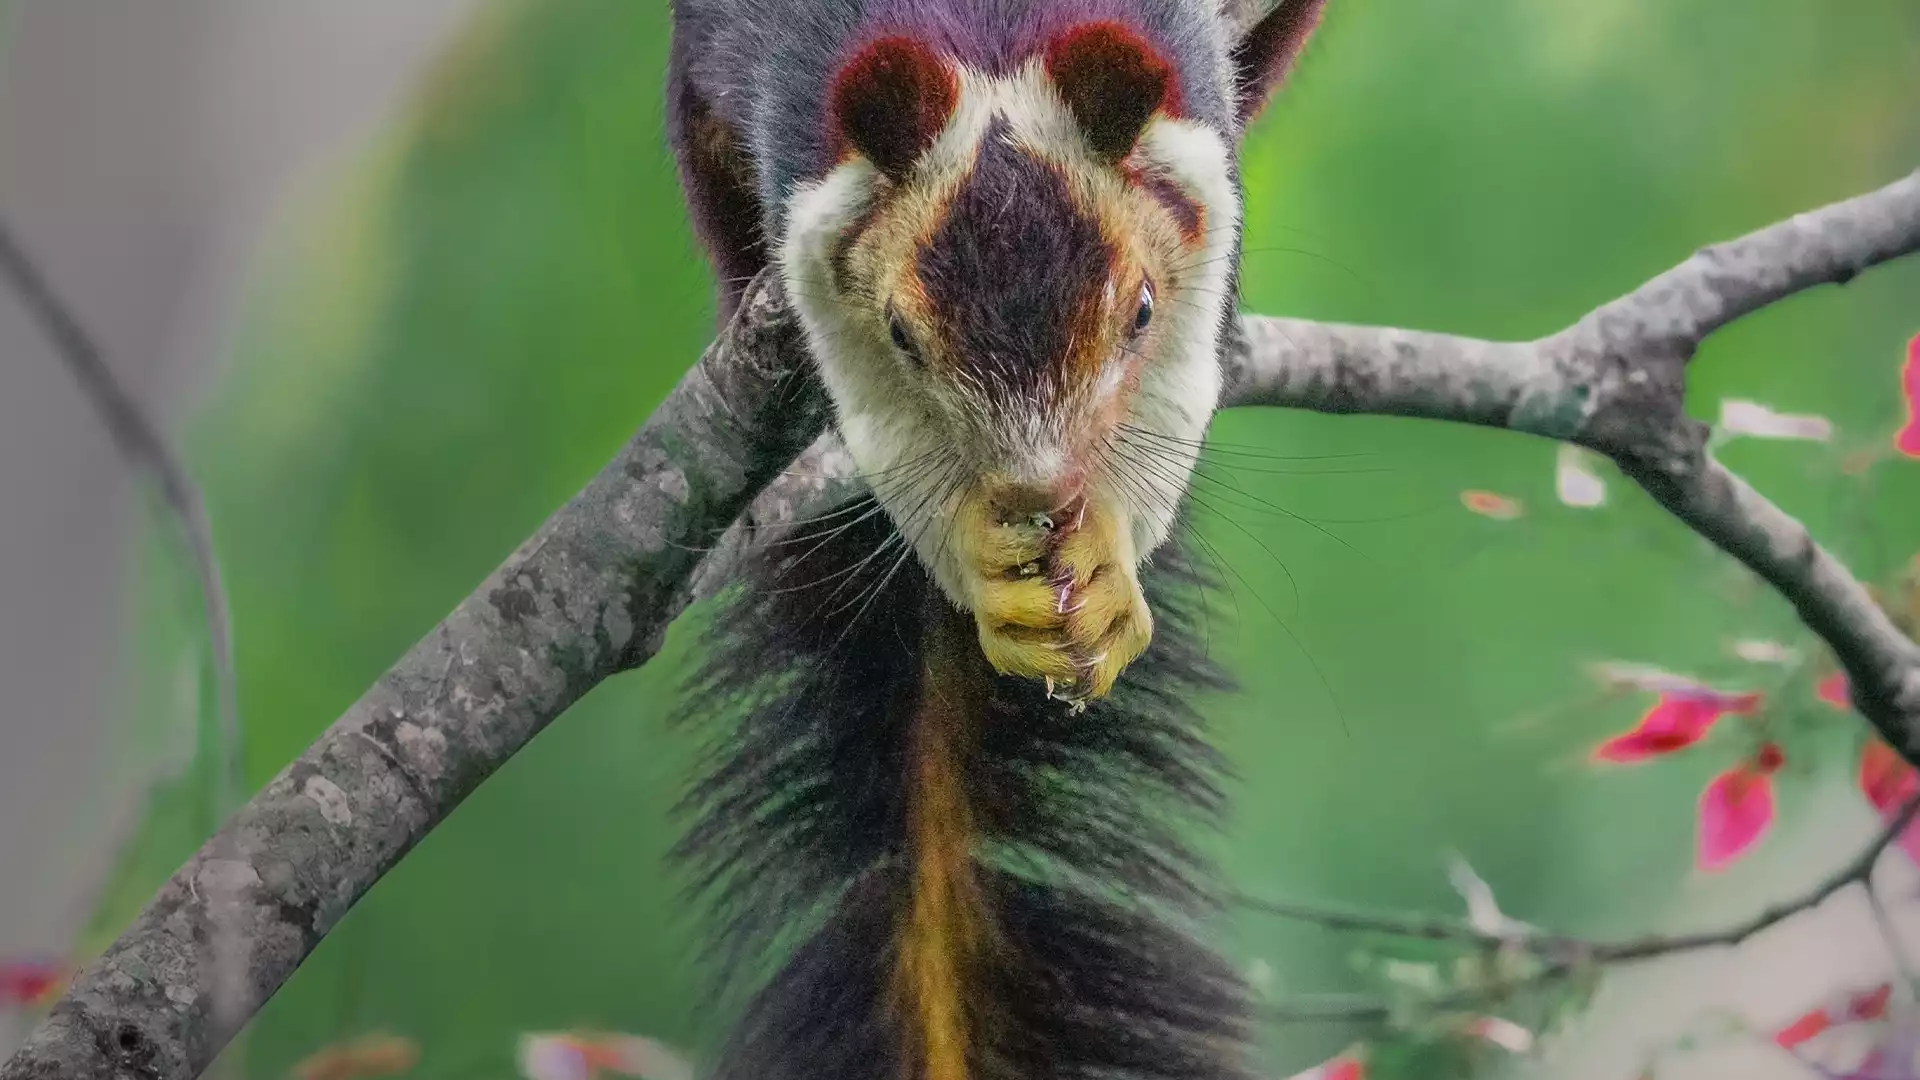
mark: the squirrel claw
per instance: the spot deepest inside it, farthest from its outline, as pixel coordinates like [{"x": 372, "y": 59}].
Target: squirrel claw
[
  {"x": 1068, "y": 694},
  {"x": 1057, "y": 599}
]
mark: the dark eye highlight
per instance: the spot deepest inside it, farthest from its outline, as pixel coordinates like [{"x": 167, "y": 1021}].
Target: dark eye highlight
[
  {"x": 902, "y": 340},
  {"x": 1143, "y": 315}
]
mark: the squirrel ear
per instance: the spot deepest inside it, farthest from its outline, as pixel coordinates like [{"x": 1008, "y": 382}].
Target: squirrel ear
[
  {"x": 1112, "y": 82},
  {"x": 890, "y": 101},
  {"x": 1266, "y": 51}
]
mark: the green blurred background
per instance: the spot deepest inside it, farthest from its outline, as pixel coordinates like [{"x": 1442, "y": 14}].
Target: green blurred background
[{"x": 455, "y": 339}]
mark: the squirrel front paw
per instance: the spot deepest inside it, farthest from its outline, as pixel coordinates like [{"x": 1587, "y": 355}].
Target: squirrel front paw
[{"x": 1056, "y": 597}]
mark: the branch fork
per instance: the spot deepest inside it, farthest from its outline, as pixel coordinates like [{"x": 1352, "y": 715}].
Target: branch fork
[{"x": 592, "y": 593}]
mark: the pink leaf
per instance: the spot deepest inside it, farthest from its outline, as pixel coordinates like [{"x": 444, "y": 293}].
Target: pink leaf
[
  {"x": 1841, "y": 1036},
  {"x": 1907, "y": 441},
  {"x": 1808, "y": 1026},
  {"x": 1834, "y": 691},
  {"x": 1909, "y": 843},
  {"x": 1735, "y": 810},
  {"x": 1887, "y": 781},
  {"x": 1870, "y": 1004},
  {"x": 1889, "y": 784},
  {"x": 1871, "y": 1067},
  {"x": 27, "y": 983},
  {"x": 1678, "y": 720}
]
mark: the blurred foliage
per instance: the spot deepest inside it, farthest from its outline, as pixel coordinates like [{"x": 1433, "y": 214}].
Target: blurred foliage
[{"x": 451, "y": 345}]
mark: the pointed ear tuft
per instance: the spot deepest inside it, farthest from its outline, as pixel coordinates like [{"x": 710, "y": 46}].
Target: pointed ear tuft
[
  {"x": 1266, "y": 51},
  {"x": 1112, "y": 81},
  {"x": 890, "y": 101}
]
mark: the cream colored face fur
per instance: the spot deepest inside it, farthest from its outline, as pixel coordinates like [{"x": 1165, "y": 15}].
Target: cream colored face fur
[{"x": 923, "y": 437}]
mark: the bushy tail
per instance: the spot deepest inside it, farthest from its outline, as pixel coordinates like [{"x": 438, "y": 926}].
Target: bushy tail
[{"x": 961, "y": 880}]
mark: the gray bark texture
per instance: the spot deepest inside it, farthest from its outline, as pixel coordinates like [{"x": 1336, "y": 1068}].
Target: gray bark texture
[
  {"x": 589, "y": 595},
  {"x": 593, "y": 591},
  {"x": 1616, "y": 382}
]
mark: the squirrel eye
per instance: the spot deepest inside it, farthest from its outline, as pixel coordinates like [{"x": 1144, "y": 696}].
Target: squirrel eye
[
  {"x": 902, "y": 340},
  {"x": 1144, "y": 314}
]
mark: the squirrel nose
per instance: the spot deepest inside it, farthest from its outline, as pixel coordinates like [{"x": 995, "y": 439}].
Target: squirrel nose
[{"x": 1050, "y": 505}]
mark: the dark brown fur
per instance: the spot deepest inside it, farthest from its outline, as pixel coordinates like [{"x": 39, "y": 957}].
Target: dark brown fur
[
  {"x": 803, "y": 827},
  {"x": 1016, "y": 274}
]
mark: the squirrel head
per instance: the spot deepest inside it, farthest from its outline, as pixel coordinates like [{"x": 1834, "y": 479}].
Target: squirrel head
[{"x": 1009, "y": 278}]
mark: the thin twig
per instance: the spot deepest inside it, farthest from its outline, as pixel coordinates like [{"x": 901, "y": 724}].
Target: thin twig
[
  {"x": 1561, "y": 956},
  {"x": 1615, "y": 382},
  {"x": 1419, "y": 927},
  {"x": 592, "y": 593},
  {"x": 1854, "y": 872},
  {"x": 1896, "y": 942},
  {"x": 146, "y": 452}
]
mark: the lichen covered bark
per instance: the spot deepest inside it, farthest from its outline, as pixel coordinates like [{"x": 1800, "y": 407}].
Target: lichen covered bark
[
  {"x": 589, "y": 595},
  {"x": 592, "y": 593},
  {"x": 1615, "y": 381}
]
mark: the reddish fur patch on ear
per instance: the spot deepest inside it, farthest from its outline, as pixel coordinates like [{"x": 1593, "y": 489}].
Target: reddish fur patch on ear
[
  {"x": 890, "y": 101},
  {"x": 1112, "y": 81}
]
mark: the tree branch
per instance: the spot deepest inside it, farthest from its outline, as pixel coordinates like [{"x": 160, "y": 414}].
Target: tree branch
[
  {"x": 1857, "y": 871},
  {"x": 1896, "y": 942},
  {"x": 593, "y": 591},
  {"x": 1616, "y": 382},
  {"x": 587, "y": 596},
  {"x": 146, "y": 452}
]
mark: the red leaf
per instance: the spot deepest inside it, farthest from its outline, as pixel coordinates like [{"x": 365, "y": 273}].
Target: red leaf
[
  {"x": 27, "y": 983},
  {"x": 1834, "y": 691},
  {"x": 1889, "y": 784},
  {"x": 1871, "y": 1067},
  {"x": 1768, "y": 759},
  {"x": 1870, "y": 1004},
  {"x": 1676, "y": 721},
  {"x": 1735, "y": 810},
  {"x": 1809, "y": 1026}
]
